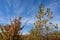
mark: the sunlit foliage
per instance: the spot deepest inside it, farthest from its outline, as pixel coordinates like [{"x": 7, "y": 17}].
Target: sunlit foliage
[
  {"x": 11, "y": 31},
  {"x": 43, "y": 25}
]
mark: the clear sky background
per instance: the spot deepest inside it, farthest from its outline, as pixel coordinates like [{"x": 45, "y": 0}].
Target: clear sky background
[{"x": 27, "y": 9}]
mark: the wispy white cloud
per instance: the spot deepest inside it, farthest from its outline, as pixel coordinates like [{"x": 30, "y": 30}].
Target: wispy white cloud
[
  {"x": 19, "y": 11},
  {"x": 52, "y": 5},
  {"x": 30, "y": 21},
  {"x": 8, "y": 3}
]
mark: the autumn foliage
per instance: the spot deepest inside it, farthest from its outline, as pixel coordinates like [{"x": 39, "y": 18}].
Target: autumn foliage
[{"x": 12, "y": 31}]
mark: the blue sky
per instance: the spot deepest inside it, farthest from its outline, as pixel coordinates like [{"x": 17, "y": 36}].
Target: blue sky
[{"x": 27, "y": 9}]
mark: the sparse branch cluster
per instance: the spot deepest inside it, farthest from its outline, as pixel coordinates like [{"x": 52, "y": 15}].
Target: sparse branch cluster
[
  {"x": 11, "y": 32},
  {"x": 43, "y": 25}
]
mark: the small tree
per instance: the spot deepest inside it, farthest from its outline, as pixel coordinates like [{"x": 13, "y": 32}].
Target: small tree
[
  {"x": 12, "y": 31},
  {"x": 43, "y": 25}
]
